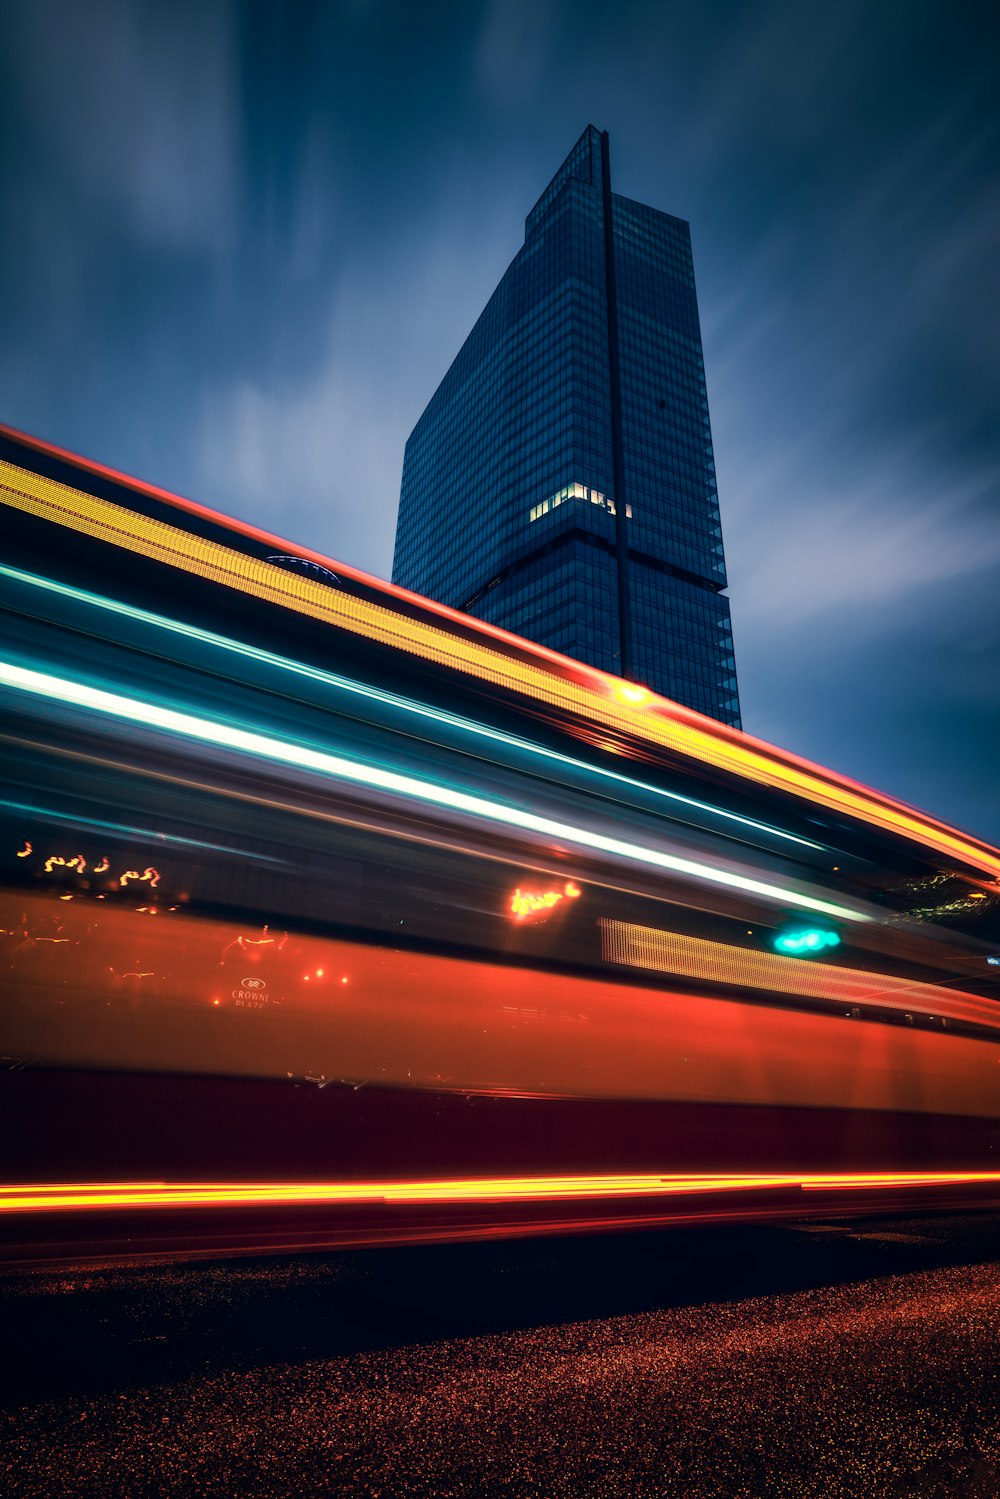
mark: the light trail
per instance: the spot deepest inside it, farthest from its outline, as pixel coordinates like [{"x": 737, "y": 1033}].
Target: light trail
[
  {"x": 186, "y": 725},
  {"x": 126, "y": 830},
  {"x": 388, "y": 699},
  {"x": 61, "y": 1197},
  {"x": 511, "y": 663},
  {"x": 682, "y": 956}
]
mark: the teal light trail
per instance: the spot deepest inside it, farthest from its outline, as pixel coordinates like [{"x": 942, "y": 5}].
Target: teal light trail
[
  {"x": 125, "y": 830},
  {"x": 389, "y": 699},
  {"x": 208, "y": 731}
]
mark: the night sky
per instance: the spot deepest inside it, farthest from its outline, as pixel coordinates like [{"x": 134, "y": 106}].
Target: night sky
[{"x": 241, "y": 245}]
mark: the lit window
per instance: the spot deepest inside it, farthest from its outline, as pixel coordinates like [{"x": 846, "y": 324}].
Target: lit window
[{"x": 575, "y": 491}]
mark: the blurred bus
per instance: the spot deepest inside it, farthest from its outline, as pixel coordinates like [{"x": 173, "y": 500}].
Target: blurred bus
[{"x": 330, "y": 915}]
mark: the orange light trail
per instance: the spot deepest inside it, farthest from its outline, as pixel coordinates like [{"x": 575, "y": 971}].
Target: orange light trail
[
  {"x": 110, "y": 1196},
  {"x": 517, "y": 666}
]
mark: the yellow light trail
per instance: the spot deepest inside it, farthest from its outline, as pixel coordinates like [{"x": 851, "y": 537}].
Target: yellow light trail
[
  {"x": 645, "y": 947},
  {"x": 520, "y": 667},
  {"x": 61, "y": 1197}
]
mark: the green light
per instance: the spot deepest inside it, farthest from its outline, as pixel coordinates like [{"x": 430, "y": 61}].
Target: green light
[{"x": 805, "y": 942}]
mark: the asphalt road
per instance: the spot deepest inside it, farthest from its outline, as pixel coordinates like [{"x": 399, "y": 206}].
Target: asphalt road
[{"x": 824, "y": 1360}]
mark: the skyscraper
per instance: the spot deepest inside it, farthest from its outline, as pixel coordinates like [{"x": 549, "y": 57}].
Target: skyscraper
[{"x": 561, "y": 481}]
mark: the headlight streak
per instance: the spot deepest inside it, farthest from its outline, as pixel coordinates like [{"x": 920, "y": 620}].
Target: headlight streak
[
  {"x": 61, "y": 1197},
  {"x": 515, "y": 665},
  {"x": 392, "y": 700},
  {"x": 149, "y": 715}
]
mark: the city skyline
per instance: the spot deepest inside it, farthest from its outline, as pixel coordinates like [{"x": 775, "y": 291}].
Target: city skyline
[
  {"x": 252, "y": 306},
  {"x": 560, "y": 482}
]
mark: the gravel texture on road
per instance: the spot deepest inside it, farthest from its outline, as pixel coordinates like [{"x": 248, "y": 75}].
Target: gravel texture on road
[{"x": 885, "y": 1387}]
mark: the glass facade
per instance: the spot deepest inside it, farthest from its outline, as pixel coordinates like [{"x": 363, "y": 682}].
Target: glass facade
[{"x": 561, "y": 481}]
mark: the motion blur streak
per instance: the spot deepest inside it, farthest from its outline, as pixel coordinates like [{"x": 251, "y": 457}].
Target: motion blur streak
[
  {"x": 120, "y": 827},
  {"x": 720, "y": 962},
  {"x": 152, "y": 716},
  {"x": 295, "y": 924},
  {"x": 391, "y": 699},
  {"x": 90, "y": 1196},
  {"x": 654, "y": 720}
]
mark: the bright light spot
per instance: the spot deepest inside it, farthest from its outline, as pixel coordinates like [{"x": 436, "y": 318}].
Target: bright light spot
[
  {"x": 319, "y": 973},
  {"x": 805, "y": 942},
  {"x": 529, "y": 903},
  {"x": 343, "y": 981},
  {"x": 633, "y": 695},
  {"x": 216, "y": 1001}
]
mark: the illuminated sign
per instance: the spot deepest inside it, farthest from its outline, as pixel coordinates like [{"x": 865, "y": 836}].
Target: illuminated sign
[
  {"x": 532, "y": 902},
  {"x": 805, "y": 942},
  {"x": 251, "y": 994}
]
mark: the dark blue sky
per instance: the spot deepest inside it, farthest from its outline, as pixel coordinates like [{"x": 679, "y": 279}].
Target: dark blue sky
[{"x": 242, "y": 243}]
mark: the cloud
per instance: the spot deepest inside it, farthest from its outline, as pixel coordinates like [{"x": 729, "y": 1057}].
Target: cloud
[
  {"x": 513, "y": 49},
  {"x": 318, "y": 455},
  {"x": 318, "y": 205},
  {"x": 805, "y": 544},
  {"x": 141, "y": 111},
  {"x": 918, "y": 238},
  {"x": 780, "y": 69},
  {"x": 311, "y": 460}
]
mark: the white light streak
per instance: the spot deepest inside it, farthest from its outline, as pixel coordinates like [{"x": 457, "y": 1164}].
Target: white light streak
[
  {"x": 390, "y": 699},
  {"x": 227, "y": 736}
]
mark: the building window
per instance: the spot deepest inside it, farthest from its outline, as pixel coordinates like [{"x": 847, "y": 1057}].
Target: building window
[{"x": 575, "y": 492}]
